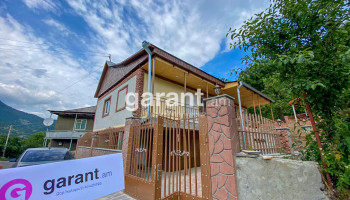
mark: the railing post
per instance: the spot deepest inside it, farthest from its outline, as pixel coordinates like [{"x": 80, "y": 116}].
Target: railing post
[
  {"x": 126, "y": 147},
  {"x": 204, "y": 157},
  {"x": 224, "y": 143},
  {"x": 157, "y": 155}
]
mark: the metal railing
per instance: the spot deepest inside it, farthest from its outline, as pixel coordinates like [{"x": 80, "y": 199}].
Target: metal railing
[
  {"x": 170, "y": 109},
  {"x": 259, "y": 133},
  {"x": 65, "y": 134}
]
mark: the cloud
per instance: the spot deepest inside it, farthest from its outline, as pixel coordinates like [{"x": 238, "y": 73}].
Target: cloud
[
  {"x": 59, "y": 26},
  {"x": 38, "y": 77},
  {"x": 47, "y": 5},
  {"x": 191, "y": 30},
  {"x": 34, "y": 77}
]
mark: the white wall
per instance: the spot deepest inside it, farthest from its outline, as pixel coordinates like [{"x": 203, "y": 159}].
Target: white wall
[{"x": 114, "y": 118}]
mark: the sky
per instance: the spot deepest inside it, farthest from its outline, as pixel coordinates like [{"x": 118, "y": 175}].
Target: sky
[{"x": 52, "y": 52}]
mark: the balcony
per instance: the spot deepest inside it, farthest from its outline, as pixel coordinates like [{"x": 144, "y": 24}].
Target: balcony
[
  {"x": 65, "y": 134},
  {"x": 170, "y": 109}
]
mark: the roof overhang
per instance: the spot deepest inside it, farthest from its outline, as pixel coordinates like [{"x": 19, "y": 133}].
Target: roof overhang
[
  {"x": 156, "y": 52},
  {"x": 72, "y": 114},
  {"x": 175, "y": 68},
  {"x": 249, "y": 95}
]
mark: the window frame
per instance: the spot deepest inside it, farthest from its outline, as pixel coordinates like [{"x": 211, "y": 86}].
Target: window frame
[
  {"x": 104, "y": 106},
  {"x": 121, "y": 89},
  {"x": 81, "y": 120}
]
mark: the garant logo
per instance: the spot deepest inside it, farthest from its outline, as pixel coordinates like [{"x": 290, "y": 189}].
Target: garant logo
[{"x": 17, "y": 189}]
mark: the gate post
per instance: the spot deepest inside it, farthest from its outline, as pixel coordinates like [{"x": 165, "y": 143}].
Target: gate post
[
  {"x": 126, "y": 148},
  {"x": 223, "y": 146},
  {"x": 157, "y": 156}
]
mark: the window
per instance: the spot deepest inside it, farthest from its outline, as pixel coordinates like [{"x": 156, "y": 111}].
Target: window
[
  {"x": 121, "y": 103},
  {"x": 106, "y": 107},
  {"x": 80, "y": 124}
]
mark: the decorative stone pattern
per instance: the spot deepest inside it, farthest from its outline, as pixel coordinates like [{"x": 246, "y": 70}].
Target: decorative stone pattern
[{"x": 223, "y": 145}]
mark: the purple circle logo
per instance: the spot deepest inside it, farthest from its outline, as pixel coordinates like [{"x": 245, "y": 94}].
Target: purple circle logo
[{"x": 17, "y": 189}]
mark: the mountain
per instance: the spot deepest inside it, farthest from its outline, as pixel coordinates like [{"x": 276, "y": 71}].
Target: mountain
[{"x": 23, "y": 124}]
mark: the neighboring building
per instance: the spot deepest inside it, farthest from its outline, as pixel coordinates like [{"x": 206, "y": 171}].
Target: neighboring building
[{"x": 70, "y": 126}]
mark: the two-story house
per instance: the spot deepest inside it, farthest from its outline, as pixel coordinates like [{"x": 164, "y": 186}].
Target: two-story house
[
  {"x": 166, "y": 145},
  {"x": 70, "y": 126},
  {"x": 171, "y": 74}
]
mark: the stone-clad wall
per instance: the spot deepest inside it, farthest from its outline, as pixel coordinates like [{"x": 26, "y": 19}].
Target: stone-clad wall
[{"x": 223, "y": 145}]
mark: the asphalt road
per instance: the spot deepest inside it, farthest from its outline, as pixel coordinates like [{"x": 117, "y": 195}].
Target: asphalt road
[{"x": 6, "y": 164}]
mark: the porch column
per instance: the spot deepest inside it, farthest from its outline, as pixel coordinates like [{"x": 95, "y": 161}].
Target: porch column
[
  {"x": 223, "y": 145},
  {"x": 129, "y": 123}
]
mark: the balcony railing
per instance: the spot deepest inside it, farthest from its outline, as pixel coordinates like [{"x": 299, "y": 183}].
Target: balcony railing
[
  {"x": 170, "y": 109},
  {"x": 65, "y": 134},
  {"x": 258, "y": 134}
]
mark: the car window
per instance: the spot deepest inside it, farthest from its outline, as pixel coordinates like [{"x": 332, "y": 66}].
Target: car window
[{"x": 43, "y": 155}]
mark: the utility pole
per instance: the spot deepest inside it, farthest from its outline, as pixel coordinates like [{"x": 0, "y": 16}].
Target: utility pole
[{"x": 7, "y": 139}]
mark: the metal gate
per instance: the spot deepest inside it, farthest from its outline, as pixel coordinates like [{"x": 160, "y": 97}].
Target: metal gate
[
  {"x": 169, "y": 159},
  {"x": 141, "y": 177}
]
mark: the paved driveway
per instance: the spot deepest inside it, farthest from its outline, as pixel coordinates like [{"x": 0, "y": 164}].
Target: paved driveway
[
  {"x": 116, "y": 196},
  {"x": 6, "y": 164}
]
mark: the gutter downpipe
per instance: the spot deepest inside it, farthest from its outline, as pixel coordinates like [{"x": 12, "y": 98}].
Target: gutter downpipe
[
  {"x": 145, "y": 45},
  {"x": 240, "y": 112},
  {"x": 295, "y": 114}
]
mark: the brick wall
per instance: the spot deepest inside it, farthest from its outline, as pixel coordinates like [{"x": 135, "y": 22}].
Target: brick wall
[
  {"x": 284, "y": 139},
  {"x": 139, "y": 89},
  {"x": 84, "y": 152}
]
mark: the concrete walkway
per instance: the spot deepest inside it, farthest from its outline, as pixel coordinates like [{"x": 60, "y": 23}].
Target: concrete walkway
[{"x": 118, "y": 195}]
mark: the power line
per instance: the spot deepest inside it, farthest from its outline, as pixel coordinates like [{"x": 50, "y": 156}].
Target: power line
[
  {"x": 79, "y": 80},
  {"x": 54, "y": 49},
  {"x": 18, "y": 41}
]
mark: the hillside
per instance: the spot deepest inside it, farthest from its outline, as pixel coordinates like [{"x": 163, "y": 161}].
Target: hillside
[{"x": 24, "y": 124}]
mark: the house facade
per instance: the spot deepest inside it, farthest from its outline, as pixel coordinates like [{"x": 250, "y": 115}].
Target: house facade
[
  {"x": 172, "y": 75},
  {"x": 70, "y": 126},
  {"x": 182, "y": 144}
]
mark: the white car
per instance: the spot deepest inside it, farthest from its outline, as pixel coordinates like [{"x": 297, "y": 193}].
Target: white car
[{"x": 37, "y": 156}]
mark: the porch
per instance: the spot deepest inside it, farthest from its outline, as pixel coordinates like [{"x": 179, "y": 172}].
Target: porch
[
  {"x": 173, "y": 151},
  {"x": 255, "y": 131}
]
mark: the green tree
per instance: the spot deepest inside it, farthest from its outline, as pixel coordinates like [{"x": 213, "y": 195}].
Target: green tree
[
  {"x": 14, "y": 146},
  {"x": 302, "y": 46},
  {"x": 35, "y": 140}
]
